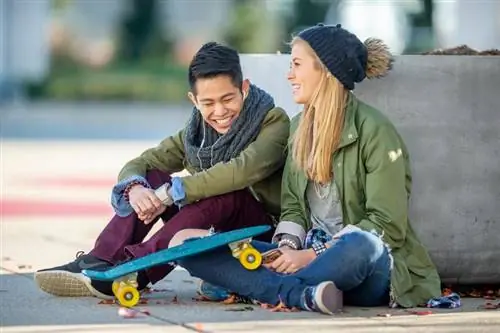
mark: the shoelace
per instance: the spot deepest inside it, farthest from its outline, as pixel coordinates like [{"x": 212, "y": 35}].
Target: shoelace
[{"x": 79, "y": 254}]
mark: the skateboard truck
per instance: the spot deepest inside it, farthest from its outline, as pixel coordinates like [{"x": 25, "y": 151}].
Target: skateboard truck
[{"x": 248, "y": 256}]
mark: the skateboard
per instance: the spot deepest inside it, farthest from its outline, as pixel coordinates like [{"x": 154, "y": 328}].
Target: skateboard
[{"x": 124, "y": 276}]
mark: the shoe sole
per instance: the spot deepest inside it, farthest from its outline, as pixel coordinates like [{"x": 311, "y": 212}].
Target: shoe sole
[
  {"x": 330, "y": 299},
  {"x": 67, "y": 284}
]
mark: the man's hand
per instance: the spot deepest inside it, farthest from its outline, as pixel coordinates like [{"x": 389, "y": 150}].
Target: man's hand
[
  {"x": 148, "y": 218},
  {"x": 291, "y": 260},
  {"x": 144, "y": 201}
]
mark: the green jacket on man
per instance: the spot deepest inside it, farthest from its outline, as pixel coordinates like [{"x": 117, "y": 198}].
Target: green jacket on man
[
  {"x": 258, "y": 167},
  {"x": 372, "y": 173}
]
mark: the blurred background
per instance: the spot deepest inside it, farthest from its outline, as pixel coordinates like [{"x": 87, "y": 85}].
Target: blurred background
[{"x": 137, "y": 50}]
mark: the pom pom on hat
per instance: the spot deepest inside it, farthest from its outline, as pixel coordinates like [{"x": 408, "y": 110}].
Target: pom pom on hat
[{"x": 379, "y": 60}]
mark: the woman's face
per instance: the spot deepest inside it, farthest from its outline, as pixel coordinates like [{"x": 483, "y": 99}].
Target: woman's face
[{"x": 304, "y": 74}]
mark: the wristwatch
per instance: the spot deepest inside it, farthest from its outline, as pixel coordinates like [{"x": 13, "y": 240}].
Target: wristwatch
[
  {"x": 318, "y": 248},
  {"x": 162, "y": 194}
]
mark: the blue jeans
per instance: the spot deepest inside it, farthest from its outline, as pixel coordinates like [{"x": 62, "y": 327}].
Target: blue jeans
[{"x": 358, "y": 263}]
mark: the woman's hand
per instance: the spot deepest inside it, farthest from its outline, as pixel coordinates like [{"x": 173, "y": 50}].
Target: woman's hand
[{"x": 291, "y": 260}]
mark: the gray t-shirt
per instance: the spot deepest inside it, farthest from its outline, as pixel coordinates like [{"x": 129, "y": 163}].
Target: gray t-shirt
[{"x": 326, "y": 210}]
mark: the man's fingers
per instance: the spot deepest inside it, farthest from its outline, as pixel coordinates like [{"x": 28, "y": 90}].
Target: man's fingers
[{"x": 154, "y": 200}]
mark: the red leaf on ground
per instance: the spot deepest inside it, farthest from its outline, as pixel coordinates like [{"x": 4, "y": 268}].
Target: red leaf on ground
[
  {"x": 490, "y": 306},
  {"x": 107, "y": 301}
]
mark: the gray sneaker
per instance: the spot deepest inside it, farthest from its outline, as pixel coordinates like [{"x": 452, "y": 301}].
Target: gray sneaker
[{"x": 323, "y": 298}]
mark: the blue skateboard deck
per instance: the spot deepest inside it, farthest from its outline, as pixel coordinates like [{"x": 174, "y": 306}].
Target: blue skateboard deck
[{"x": 189, "y": 248}]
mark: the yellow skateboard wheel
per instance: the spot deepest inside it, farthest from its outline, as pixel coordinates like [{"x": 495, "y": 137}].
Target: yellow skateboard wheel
[
  {"x": 128, "y": 296},
  {"x": 250, "y": 258},
  {"x": 115, "y": 286}
]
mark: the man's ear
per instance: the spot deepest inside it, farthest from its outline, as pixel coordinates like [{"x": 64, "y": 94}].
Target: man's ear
[
  {"x": 192, "y": 97},
  {"x": 245, "y": 87}
]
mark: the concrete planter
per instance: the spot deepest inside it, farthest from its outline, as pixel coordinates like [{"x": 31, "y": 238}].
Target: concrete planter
[{"x": 448, "y": 110}]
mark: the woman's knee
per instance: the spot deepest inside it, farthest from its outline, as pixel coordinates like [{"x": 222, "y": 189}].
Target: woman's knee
[
  {"x": 365, "y": 243},
  {"x": 184, "y": 234}
]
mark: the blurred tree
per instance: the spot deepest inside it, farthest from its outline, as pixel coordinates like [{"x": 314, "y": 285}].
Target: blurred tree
[
  {"x": 305, "y": 13},
  {"x": 140, "y": 32},
  {"x": 422, "y": 32},
  {"x": 250, "y": 29}
]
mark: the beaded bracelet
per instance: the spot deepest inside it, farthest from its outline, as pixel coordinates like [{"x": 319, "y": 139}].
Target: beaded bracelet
[{"x": 129, "y": 187}]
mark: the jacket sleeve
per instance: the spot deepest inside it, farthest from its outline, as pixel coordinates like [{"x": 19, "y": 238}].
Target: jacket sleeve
[
  {"x": 292, "y": 221},
  {"x": 387, "y": 189},
  {"x": 259, "y": 160},
  {"x": 168, "y": 156}
]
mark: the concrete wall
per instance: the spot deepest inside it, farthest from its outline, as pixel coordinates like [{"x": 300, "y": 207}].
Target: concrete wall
[{"x": 448, "y": 110}]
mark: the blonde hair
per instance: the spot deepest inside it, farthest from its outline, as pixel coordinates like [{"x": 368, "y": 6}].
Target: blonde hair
[
  {"x": 321, "y": 124},
  {"x": 320, "y": 128}
]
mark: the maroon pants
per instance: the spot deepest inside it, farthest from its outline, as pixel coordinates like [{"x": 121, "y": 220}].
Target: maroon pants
[{"x": 123, "y": 237}]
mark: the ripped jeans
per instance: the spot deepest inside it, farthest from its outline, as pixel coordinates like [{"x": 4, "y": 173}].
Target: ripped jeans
[{"x": 359, "y": 263}]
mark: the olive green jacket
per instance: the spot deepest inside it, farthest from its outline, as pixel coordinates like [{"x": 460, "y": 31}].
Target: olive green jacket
[
  {"x": 258, "y": 167},
  {"x": 373, "y": 178}
]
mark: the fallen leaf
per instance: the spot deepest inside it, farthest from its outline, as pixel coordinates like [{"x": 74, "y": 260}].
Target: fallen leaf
[
  {"x": 490, "y": 306},
  {"x": 281, "y": 307},
  {"x": 447, "y": 291},
  {"x": 107, "y": 301},
  {"x": 232, "y": 299},
  {"x": 384, "y": 315}
]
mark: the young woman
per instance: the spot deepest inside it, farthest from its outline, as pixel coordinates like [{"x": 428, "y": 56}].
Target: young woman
[
  {"x": 344, "y": 222},
  {"x": 234, "y": 148}
]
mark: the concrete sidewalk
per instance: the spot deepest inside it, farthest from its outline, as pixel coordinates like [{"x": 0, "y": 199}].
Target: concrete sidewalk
[{"x": 61, "y": 174}]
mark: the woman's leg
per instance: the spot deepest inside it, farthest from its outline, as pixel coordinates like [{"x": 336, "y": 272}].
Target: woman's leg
[{"x": 348, "y": 263}]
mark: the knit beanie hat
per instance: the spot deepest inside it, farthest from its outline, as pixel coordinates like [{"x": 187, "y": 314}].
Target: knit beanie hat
[{"x": 345, "y": 56}]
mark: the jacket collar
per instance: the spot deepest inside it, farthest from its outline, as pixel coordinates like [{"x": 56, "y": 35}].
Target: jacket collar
[{"x": 350, "y": 132}]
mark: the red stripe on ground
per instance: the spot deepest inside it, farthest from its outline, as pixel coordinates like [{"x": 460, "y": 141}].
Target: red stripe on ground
[
  {"x": 20, "y": 207},
  {"x": 74, "y": 182}
]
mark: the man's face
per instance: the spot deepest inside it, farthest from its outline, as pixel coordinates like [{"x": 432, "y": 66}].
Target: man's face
[{"x": 219, "y": 101}]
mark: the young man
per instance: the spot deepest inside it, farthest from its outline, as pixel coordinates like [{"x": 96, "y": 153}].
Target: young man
[{"x": 234, "y": 149}]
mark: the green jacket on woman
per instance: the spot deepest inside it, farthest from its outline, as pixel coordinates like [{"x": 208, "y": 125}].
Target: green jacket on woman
[{"x": 372, "y": 173}]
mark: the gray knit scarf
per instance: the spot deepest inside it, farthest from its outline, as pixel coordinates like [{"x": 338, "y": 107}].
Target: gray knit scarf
[{"x": 221, "y": 148}]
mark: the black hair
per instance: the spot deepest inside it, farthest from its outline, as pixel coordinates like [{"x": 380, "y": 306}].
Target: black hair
[{"x": 214, "y": 59}]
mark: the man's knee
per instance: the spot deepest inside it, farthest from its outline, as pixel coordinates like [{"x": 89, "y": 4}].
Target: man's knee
[{"x": 181, "y": 236}]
